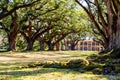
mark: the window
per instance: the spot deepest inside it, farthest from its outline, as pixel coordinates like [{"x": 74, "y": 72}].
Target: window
[
  {"x": 97, "y": 43},
  {"x": 85, "y": 43},
  {"x": 81, "y": 48},
  {"x": 85, "y": 48},
  {"x": 93, "y": 43},
  {"x": 81, "y": 43}
]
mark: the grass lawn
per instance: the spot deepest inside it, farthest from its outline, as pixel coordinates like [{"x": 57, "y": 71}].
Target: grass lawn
[{"x": 11, "y": 61}]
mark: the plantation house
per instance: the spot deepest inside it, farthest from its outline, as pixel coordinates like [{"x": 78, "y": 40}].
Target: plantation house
[{"x": 88, "y": 45}]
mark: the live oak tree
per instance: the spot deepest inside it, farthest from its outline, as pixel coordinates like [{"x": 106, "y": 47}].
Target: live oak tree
[
  {"x": 10, "y": 26},
  {"x": 64, "y": 18},
  {"x": 14, "y": 13},
  {"x": 33, "y": 32},
  {"x": 68, "y": 23},
  {"x": 34, "y": 18},
  {"x": 56, "y": 34},
  {"x": 105, "y": 15},
  {"x": 37, "y": 24},
  {"x": 53, "y": 37},
  {"x": 7, "y": 7},
  {"x": 9, "y": 13}
]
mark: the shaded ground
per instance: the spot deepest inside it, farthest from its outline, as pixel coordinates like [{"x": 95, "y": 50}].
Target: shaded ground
[{"x": 10, "y": 61}]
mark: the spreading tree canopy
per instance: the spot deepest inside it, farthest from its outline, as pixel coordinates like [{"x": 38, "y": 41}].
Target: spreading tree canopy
[{"x": 105, "y": 15}]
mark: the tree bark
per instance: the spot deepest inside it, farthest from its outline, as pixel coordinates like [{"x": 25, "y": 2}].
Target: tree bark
[
  {"x": 50, "y": 46},
  {"x": 30, "y": 45},
  {"x": 108, "y": 23},
  {"x": 41, "y": 45},
  {"x": 114, "y": 44},
  {"x": 12, "y": 43},
  {"x": 72, "y": 46},
  {"x": 57, "y": 46},
  {"x": 12, "y": 34}
]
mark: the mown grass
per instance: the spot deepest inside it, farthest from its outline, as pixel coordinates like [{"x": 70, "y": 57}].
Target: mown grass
[
  {"x": 51, "y": 74},
  {"x": 12, "y": 71},
  {"x": 81, "y": 53}
]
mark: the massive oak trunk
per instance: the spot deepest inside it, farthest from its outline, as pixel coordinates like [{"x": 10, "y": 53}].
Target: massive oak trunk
[
  {"x": 114, "y": 28},
  {"x": 107, "y": 22},
  {"x": 12, "y": 42},
  {"x": 114, "y": 33},
  {"x": 50, "y": 46},
  {"x": 12, "y": 34},
  {"x": 114, "y": 44}
]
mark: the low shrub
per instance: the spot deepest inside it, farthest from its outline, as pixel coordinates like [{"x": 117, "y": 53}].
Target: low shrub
[
  {"x": 77, "y": 63},
  {"x": 92, "y": 66},
  {"x": 72, "y": 64},
  {"x": 52, "y": 65}
]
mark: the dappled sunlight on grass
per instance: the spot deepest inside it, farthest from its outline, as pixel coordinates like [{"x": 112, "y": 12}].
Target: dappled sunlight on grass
[
  {"x": 12, "y": 57},
  {"x": 11, "y": 62},
  {"x": 51, "y": 74}
]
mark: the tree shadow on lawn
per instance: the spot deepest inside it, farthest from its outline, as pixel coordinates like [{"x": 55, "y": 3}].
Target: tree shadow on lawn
[
  {"x": 34, "y": 72},
  {"x": 20, "y": 73},
  {"x": 11, "y": 66},
  {"x": 16, "y": 72},
  {"x": 50, "y": 68},
  {"x": 8, "y": 66}
]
